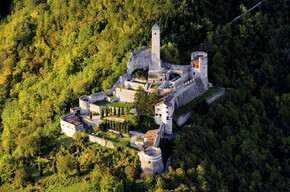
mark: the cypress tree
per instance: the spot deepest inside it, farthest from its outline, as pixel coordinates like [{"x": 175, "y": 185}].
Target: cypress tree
[
  {"x": 40, "y": 168},
  {"x": 122, "y": 111},
  {"x": 54, "y": 166},
  {"x": 102, "y": 112},
  {"x": 119, "y": 111},
  {"x": 78, "y": 168}
]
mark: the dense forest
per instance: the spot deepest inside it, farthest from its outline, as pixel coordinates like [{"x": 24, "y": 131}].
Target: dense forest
[{"x": 53, "y": 51}]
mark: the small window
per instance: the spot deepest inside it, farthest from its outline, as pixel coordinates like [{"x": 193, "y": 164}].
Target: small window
[
  {"x": 155, "y": 33},
  {"x": 193, "y": 73},
  {"x": 149, "y": 162},
  {"x": 156, "y": 114}
]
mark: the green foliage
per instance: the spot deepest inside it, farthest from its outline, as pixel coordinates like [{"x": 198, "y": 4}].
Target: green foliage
[
  {"x": 169, "y": 53},
  {"x": 21, "y": 178},
  {"x": 65, "y": 164},
  {"x": 145, "y": 102},
  {"x": 51, "y": 52},
  {"x": 111, "y": 184},
  {"x": 131, "y": 172},
  {"x": 141, "y": 74}
]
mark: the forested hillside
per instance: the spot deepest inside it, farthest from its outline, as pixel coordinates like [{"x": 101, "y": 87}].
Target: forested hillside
[{"x": 53, "y": 51}]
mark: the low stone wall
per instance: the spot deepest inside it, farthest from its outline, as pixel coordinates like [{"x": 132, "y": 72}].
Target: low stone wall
[
  {"x": 182, "y": 119},
  {"x": 177, "y": 67},
  {"x": 186, "y": 92},
  {"x": 216, "y": 96},
  {"x": 101, "y": 141}
]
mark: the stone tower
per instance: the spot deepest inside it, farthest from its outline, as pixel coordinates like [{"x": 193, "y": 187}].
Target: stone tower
[
  {"x": 151, "y": 160},
  {"x": 155, "y": 49},
  {"x": 199, "y": 64}
]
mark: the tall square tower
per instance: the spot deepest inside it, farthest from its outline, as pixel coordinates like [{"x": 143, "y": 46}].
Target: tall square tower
[{"x": 155, "y": 64}]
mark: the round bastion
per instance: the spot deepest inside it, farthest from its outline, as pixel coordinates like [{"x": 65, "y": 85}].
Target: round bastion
[{"x": 151, "y": 160}]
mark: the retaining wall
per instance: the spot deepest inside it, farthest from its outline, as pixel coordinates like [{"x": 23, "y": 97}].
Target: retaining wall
[
  {"x": 182, "y": 119},
  {"x": 101, "y": 141},
  {"x": 216, "y": 96}
]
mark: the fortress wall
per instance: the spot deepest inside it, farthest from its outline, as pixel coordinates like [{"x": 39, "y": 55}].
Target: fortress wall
[
  {"x": 139, "y": 59},
  {"x": 125, "y": 95},
  {"x": 214, "y": 97},
  {"x": 177, "y": 67},
  {"x": 188, "y": 91},
  {"x": 182, "y": 119},
  {"x": 135, "y": 85},
  {"x": 84, "y": 104},
  {"x": 98, "y": 140},
  {"x": 101, "y": 141},
  {"x": 95, "y": 108},
  {"x": 98, "y": 97}
]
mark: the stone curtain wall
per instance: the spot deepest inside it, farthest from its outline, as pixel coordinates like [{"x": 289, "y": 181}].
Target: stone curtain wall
[
  {"x": 139, "y": 59},
  {"x": 125, "y": 95},
  {"x": 187, "y": 92},
  {"x": 134, "y": 85},
  {"x": 182, "y": 119},
  {"x": 214, "y": 97}
]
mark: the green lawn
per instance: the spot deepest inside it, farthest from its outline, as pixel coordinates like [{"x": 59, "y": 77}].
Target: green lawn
[
  {"x": 117, "y": 104},
  {"x": 211, "y": 91},
  {"x": 116, "y": 138},
  {"x": 65, "y": 141}
]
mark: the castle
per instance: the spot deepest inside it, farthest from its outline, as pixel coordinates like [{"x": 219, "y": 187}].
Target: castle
[{"x": 177, "y": 85}]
